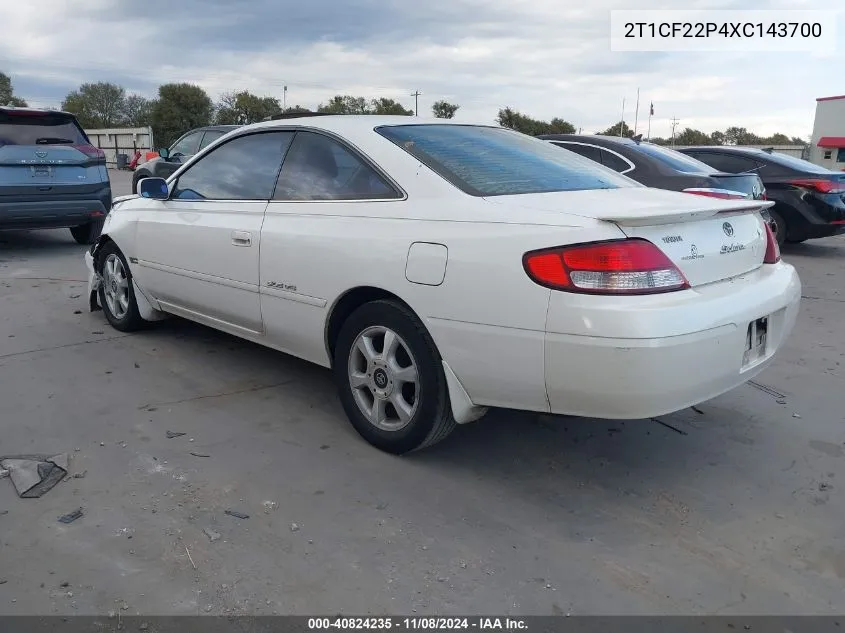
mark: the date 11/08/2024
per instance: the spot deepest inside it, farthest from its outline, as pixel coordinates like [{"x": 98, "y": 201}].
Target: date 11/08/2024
[{"x": 417, "y": 623}]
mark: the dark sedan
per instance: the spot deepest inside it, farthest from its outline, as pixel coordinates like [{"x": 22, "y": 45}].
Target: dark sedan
[
  {"x": 809, "y": 200},
  {"x": 184, "y": 148}
]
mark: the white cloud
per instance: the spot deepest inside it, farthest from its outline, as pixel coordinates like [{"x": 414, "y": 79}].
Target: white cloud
[{"x": 532, "y": 55}]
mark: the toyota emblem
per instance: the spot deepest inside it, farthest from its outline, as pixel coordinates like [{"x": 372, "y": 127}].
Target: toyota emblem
[
  {"x": 41, "y": 154},
  {"x": 728, "y": 229}
]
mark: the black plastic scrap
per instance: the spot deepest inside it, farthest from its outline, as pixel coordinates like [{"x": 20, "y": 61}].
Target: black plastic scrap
[
  {"x": 171, "y": 434},
  {"x": 35, "y": 475},
  {"x": 236, "y": 514},
  {"x": 71, "y": 516}
]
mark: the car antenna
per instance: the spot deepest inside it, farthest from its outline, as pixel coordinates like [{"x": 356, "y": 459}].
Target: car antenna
[
  {"x": 769, "y": 150},
  {"x": 638, "y": 139}
]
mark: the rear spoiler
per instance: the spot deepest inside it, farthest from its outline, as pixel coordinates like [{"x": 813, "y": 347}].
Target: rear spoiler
[{"x": 645, "y": 219}]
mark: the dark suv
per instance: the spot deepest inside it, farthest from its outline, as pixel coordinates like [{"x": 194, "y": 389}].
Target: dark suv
[
  {"x": 50, "y": 174},
  {"x": 184, "y": 148},
  {"x": 809, "y": 200}
]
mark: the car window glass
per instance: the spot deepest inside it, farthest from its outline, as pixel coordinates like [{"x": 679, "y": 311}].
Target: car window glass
[
  {"x": 210, "y": 136},
  {"x": 728, "y": 163},
  {"x": 793, "y": 162},
  {"x": 244, "y": 168},
  {"x": 492, "y": 161},
  {"x": 39, "y": 129},
  {"x": 319, "y": 168},
  {"x": 587, "y": 151},
  {"x": 609, "y": 159},
  {"x": 671, "y": 158},
  {"x": 186, "y": 146}
]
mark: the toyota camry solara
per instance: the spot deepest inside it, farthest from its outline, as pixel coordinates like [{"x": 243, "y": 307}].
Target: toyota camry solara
[{"x": 441, "y": 268}]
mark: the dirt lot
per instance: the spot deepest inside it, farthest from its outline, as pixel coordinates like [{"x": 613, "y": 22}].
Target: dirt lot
[{"x": 734, "y": 509}]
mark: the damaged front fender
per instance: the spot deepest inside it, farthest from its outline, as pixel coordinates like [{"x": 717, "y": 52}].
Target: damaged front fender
[{"x": 94, "y": 277}]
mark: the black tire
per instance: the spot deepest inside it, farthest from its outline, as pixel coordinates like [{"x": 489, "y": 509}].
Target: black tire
[
  {"x": 780, "y": 236},
  {"x": 138, "y": 175},
  {"x": 432, "y": 419},
  {"x": 131, "y": 320},
  {"x": 87, "y": 233}
]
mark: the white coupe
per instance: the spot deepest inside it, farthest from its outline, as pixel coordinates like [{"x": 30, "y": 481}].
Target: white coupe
[{"x": 441, "y": 268}]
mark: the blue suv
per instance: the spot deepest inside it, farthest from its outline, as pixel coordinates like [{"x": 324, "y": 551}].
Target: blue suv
[{"x": 51, "y": 176}]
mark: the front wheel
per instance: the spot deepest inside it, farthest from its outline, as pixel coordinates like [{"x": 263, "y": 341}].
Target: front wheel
[
  {"x": 117, "y": 297},
  {"x": 390, "y": 379}
]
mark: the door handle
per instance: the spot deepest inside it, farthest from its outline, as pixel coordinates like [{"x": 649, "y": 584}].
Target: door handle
[{"x": 241, "y": 238}]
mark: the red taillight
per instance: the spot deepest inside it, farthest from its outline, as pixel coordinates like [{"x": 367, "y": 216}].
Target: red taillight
[
  {"x": 91, "y": 151},
  {"x": 723, "y": 194},
  {"x": 625, "y": 267},
  {"x": 772, "y": 249},
  {"x": 820, "y": 185}
]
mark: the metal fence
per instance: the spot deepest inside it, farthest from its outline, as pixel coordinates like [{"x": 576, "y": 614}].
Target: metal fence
[{"x": 125, "y": 140}]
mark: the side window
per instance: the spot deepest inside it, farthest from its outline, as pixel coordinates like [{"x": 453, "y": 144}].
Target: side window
[
  {"x": 210, "y": 137},
  {"x": 187, "y": 145},
  {"x": 319, "y": 168},
  {"x": 840, "y": 155},
  {"x": 244, "y": 168},
  {"x": 609, "y": 159},
  {"x": 587, "y": 151}
]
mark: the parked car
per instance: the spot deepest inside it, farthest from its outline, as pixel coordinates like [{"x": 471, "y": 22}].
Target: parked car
[
  {"x": 51, "y": 176},
  {"x": 663, "y": 167},
  {"x": 442, "y": 268},
  {"x": 809, "y": 200},
  {"x": 172, "y": 158}
]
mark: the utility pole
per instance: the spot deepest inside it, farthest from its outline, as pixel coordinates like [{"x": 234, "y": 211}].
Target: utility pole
[
  {"x": 622, "y": 125},
  {"x": 637, "y": 112},
  {"x": 285, "y": 98},
  {"x": 416, "y": 96},
  {"x": 674, "y": 125}
]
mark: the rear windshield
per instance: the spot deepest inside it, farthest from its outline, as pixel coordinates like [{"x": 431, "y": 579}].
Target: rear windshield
[
  {"x": 490, "y": 161},
  {"x": 795, "y": 163},
  {"x": 39, "y": 129},
  {"x": 747, "y": 184},
  {"x": 673, "y": 159}
]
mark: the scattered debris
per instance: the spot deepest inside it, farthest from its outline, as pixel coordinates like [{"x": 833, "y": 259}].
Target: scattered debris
[
  {"x": 200, "y": 455},
  {"x": 97, "y": 332},
  {"x": 781, "y": 401},
  {"x": 65, "y": 584},
  {"x": 269, "y": 506},
  {"x": 324, "y": 447},
  {"x": 74, "y": 296},
  {"x": 80, "y": 475},
  {"x": 824, "y": 486},
  {"x": 382, "y": 506},
  {"x": 211, "y": 534},
  {"x": 3, "y": 473},
  {"x": 35, "y": 475},
  {"x": 171, "y": 434},
  {"x": 796, "y": 415},
  {"x": 294, "y": 527},
  {"x": 77, "y": 311},
  {"x": 3, "y": 582},
  {"x": 188, "y": 552},
  {"x": 71, "y": 516},
  {"x": 143, "y": 626},
  {"x": 697, "y": 410},
  {"x": 208, "y": 608},
  {"x": 191, "y": 440},
  {"x": 236, "y": 514},
  {"x": 137, "y": 366},
  {"x": 102, "y": 443},
  {"x": 766, "y": 389},
  {"x": 778, "y": 515},
  {"x": 669, "y": 426},
  {"x": 122, "y": 444}
]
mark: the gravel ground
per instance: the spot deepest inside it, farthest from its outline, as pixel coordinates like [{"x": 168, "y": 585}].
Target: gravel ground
[{"x": 732, "y": 509}]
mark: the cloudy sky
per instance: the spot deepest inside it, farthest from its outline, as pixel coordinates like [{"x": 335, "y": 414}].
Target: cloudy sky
[{"x": 537, "y": 56}]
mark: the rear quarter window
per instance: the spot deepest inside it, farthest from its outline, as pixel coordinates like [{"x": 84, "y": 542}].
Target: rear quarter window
[{"x": 490, "y": 161}]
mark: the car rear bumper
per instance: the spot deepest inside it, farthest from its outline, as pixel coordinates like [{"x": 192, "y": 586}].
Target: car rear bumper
[
  {"x": 50, "y": 213},
  {"x": 639, "y": 357}
]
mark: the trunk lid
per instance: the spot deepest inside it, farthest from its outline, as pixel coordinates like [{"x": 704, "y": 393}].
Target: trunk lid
[
  {"x": 708, "y": 239},
  {"x": 749, "y": 184}
]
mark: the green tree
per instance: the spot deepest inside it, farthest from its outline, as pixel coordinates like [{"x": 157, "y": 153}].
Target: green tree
[
  {"x": 658, "y": 140},
  {"x": 7, "y": 93},
  {"x": 559, "y": 126},
  {"x": 296, "y": 108},
  {"x": 510, "y": 118},
  {"x": 718, "y": 138},
  {"x": 740, "y": 136},
  {"x": 138, "y": 111},
  {"x": 613, "y": 130},
  {"x": 97, "y": 105},
  {"x": 180, "y": 107},
  {"x": 444, "y": 109},
  {"x": 243, "y": 108},
  {"x": 345, "y": 104},
  {"x": 388, "y": 106},
  {"x": 693, "y": 137}
]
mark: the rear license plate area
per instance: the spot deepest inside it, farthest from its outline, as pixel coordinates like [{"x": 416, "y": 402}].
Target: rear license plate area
[
  {"x": 756, "y": 341},
  {"x": 42, "y": 172}
]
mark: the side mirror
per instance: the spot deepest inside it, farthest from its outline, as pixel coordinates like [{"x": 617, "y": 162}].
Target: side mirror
[
  {"x": 164, "y": 153},
  {"x": 155, "y": 188}
]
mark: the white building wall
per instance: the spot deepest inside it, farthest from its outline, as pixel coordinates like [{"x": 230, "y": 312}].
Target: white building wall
[
  {"x": 122, "y": 141},
  {"x": 830, "y": 121}
]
